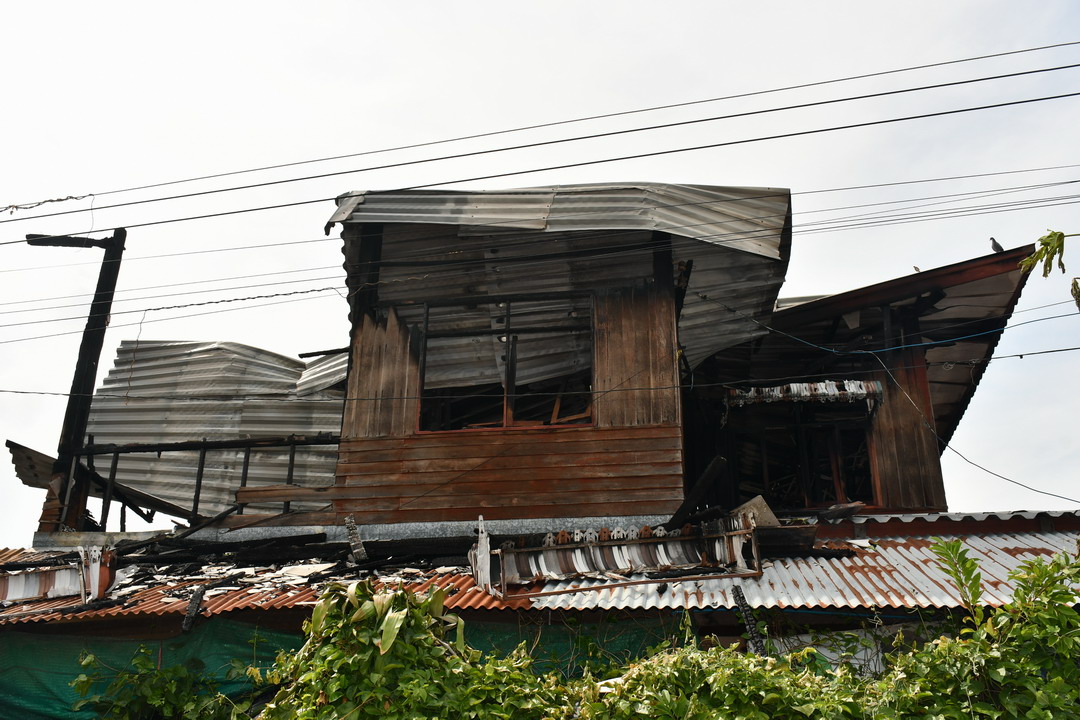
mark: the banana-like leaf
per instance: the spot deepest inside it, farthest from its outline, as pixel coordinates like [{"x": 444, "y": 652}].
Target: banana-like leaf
[
  {"x": 390, "y": 626},
  {"x": 436, "y": 602},
  {"x": 318, "y": 615},
  {"x": 365, "y": 611},
  {"x": 353, "y": 593},
  {"x": 383, "y": 602}
]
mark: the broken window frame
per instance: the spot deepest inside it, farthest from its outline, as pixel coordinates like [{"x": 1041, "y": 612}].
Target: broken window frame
[
  {"x": 813, "y": 442},
  {"x": 510, "y": 394}
]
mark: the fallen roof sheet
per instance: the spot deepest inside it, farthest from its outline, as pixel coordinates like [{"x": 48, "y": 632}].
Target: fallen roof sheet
[
  {"x": 227, "y": 588},
  {"x": 895, "y": 572},
  {"x": 737, "y": 238}
]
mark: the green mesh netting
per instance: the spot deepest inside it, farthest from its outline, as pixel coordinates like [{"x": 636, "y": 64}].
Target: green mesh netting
[
  {"x": 569, "y": 646},
  {"x": 35, "y": 669}
]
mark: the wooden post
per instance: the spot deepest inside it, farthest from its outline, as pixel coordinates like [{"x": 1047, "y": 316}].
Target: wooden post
[{"x": 70, "y": 512}]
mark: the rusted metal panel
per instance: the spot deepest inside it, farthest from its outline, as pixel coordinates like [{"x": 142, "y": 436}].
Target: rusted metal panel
[
  {"x": 898, "y": 572},
  {"x": 250, "y": 589}
]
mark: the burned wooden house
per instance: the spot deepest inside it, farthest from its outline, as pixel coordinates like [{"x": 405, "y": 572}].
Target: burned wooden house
[
  {"x": 551, "y": 357},
  {"x": 579, "y": 403}
]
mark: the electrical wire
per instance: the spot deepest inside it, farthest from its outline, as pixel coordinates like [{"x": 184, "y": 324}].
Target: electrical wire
[
  {"x": 549, "y": 143},
  {"x": 929, "y": 426},
  {"x": 729, "y": 384},
  {"x": 556, "y": 123},
  {"x": 793, "y": 194},
  {"x": 635, "y": 156}
]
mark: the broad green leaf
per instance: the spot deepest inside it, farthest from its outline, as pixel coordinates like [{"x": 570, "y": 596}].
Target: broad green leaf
[{"x": 391, "y": 624}]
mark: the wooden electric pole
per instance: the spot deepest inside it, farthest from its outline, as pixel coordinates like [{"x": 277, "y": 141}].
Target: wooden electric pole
[{"x": 68, "y": 507}]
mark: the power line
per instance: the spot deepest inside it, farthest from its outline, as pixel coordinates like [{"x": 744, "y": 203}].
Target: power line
[
  {"x": 557, "y": 123},
  {"x": 154, "y": 287},
  {"x": 180, "y": 317},
  {"x": 635, "y": 156},
  {"x": 279, "y": 397},
  {"x": 512, "y": 262},
  {"x": 548, "y": 143},
  {"x": 793, "y": 194},
  {"x": 929, "y": 426}
]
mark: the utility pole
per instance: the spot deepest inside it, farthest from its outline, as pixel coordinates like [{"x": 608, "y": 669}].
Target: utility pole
[{"x": 65, "y": 505}]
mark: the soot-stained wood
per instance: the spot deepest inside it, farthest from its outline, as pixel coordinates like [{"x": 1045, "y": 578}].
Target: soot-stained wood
[
  {"x": 541, "y": 472},
  {"x": 903, "y": 447}
]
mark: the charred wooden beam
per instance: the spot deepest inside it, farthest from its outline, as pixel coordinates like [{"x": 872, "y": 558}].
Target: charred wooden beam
[
  {"x": 479, "y": 299},
  {"x": 697, "y": 493},
  {"x": 238, "y": 444},
  {"x": 73, "y": 493}
]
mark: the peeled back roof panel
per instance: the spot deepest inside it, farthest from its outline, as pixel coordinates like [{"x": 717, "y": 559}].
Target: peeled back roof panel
[{"x": 747, "y": 219}]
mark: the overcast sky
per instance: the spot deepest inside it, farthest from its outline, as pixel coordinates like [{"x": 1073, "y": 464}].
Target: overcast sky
[{"x": 100, "y": 97}]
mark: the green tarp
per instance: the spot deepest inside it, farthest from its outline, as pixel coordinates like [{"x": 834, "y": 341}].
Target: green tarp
[{"x": 36, "y": 669}]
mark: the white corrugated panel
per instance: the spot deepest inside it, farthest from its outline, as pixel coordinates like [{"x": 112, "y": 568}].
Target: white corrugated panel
[
  {"x": 165, "y": 392},
  {"x": 748, "y": 219},
  {"x": 735, "y": 236},
  {"x": 897, "y": 572}
]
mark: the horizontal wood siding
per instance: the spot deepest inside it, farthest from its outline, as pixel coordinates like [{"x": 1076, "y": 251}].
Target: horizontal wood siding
[
  {"x": 636, "y": 370},
  {"x": 543, "y": 472}
]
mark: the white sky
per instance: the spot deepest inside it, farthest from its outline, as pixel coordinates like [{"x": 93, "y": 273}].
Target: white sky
[{"x": 106, "y": 96}]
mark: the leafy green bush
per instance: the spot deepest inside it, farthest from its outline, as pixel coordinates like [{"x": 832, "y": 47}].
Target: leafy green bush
[
  {"x": 143, "y": 691},
  {"x": 392, "y": 654}
]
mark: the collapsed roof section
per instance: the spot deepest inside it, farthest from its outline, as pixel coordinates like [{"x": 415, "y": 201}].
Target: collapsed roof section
[
  {"x": 730, "y": 244},
  {"x": 955, "y": 314},
  {"x": 171, "y": 583},
  {"x": 160, "y": 394}
]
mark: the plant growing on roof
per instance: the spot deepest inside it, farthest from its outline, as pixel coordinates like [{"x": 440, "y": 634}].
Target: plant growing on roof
[{"x": 1051, "y": 248}]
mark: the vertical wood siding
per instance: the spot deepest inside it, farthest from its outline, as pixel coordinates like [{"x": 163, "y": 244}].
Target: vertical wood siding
[
  {"x": 904, "y": 451},
  {"x": 629, "y": 463},
  {"x": 636, "y": 372},
  {"x": 384, "y": 381}
]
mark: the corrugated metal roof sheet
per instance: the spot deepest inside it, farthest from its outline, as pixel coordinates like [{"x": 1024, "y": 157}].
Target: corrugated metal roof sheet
[
  {"x": 252, "y": 589},
  {"x": 736, "y": 238},
  {"x": 161, "y": 392},
  {"x": 895, "y": 572},
  {"x": 746, "y": 219},
  {"x": 958, "y": 516},
  {"x": 26, "y": 556}
]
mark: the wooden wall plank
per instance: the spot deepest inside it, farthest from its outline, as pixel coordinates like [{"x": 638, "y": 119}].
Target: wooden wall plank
[
  {"x": 584, "y": 471},
  {"x": 651, "y": 507},
  {"x": 904, "y": 450}
]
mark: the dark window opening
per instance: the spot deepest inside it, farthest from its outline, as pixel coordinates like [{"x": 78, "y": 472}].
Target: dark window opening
[
  {"x": 507, "y": 364},
  {"x": 800, "y": 455}
]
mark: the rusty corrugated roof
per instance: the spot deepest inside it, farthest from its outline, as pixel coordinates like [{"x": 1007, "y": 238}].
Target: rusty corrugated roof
[
  {"x": 228, "y": 589},
  {"x": 896, "y": 572},
  {"x": 900, "y": 572}
]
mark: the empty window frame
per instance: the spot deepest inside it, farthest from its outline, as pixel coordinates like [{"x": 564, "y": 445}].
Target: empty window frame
[
  {"x": 507, "y": 363},
  {"x": 801, "y": 455}
]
